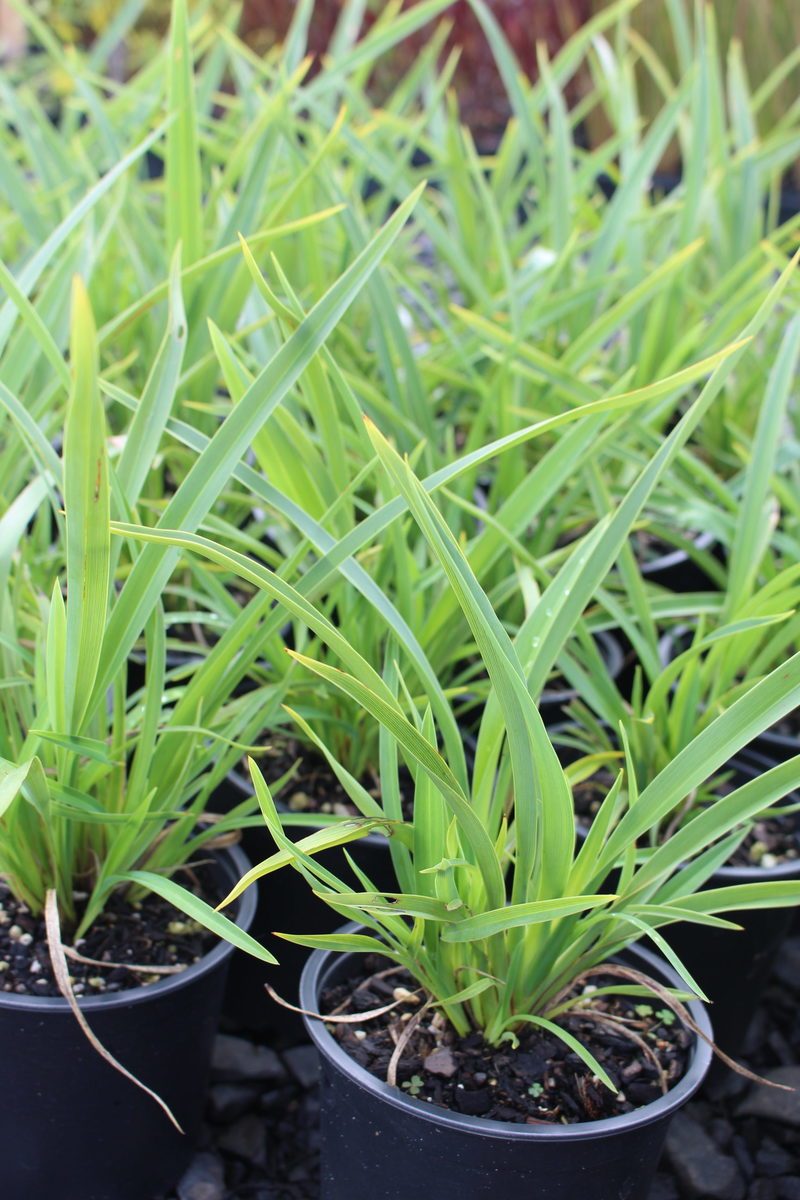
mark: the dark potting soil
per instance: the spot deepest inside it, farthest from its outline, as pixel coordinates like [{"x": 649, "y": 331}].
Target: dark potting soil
[
  {"x": 739, "y": 1141},
  {"x": 149, "y": 933},
  {"x": 313, "y": 787},
  {"x": 641, "y": 1046}
]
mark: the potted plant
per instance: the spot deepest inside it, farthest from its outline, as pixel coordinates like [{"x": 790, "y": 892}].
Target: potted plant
[
  {"x": 495, "y": 920},
  {"x": 91, "y": 790},
  {"x": 97, "y": 783}
]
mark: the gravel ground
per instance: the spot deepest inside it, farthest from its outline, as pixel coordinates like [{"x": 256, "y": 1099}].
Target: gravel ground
[{"x": 261, "y": 1138}]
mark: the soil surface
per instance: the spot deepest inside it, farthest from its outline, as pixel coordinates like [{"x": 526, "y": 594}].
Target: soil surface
[
  {"x": 312, "y": 786},
  {"x": 640, "y": 1045},
  {"x": 736, "y": 1141},
  {"x": 151, "y": 932}
]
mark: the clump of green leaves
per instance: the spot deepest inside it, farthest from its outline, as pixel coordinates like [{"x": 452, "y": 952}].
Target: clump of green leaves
[
  {"x": 719, "y": 644},
  {"x": 496, "y": 913}
]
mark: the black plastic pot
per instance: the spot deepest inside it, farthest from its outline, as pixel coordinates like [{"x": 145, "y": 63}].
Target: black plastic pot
[
  {"x": 677, "y": 571},
  {"x": 73, "y": 1128},
  {"x": 285, "y": 902},
  {"x": 774, "y": 745},
  {"x": 733, "y": 967},
  {"x": 379, "y": 1143}
]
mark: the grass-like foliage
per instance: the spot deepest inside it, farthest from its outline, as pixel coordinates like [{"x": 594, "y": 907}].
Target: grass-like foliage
[{"x": 496, "y": 912}]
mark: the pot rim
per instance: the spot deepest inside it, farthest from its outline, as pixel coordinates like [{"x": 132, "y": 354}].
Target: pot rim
[
  {"x": 320, "y": 964},
  {"x": 237, "y": 866},
  {"x": 771, "y": 737},
  {"x": 677, "y": 556}
]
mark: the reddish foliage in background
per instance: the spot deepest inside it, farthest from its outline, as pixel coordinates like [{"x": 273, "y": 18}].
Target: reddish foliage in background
[{"x": 483, "y": 104}]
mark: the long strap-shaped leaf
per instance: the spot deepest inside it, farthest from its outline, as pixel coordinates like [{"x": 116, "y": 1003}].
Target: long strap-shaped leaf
[
  {"x": 182, "y": 162},
  {"x": 435, "y": 767},
  {"x": 543, "y": 802},
  {"x": 753, "y": 526},
  {"x": 730, "y": 812},
  {"x": 86, "y": 501},
  {"x": 147, "y": 427},
  {"x": 572, "y": 589},
  {"x": 286, "y": 595}
]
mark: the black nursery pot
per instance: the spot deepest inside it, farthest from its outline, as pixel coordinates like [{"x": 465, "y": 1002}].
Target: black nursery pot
[
  {"x": 73, "y": 1128},
  {"x": 777, "y": 744},
  {"x": 379, "y": 1143},
  {"x": 733, "y": 967},
  {"x": 677, "y": 571},
  {"x": 285, "y": 902}
]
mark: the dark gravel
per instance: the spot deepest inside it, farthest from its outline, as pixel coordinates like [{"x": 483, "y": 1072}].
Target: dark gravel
[{"x": 737, "y": 1141}]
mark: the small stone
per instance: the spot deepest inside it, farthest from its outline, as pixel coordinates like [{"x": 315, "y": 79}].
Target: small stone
[
  {"x": 402, "y": 993},
  {"x": 303, "y": 1062},
  {"x": 273, "y": 1100},
  {"x": 441, "y": 1062},
  {"x": 204, "y": 1180},
  {"x": 247, "y": 1139},
  {"x": 700, "y": 1167},
  {"x": 762, "y": 1189},
  {"x": 772, "y": 1160},
  {"x": 721, "y": 1131},
  {"x": 772, "y": 1104},
  {"x": 227, "y": 1101},
  {"x": 740, "y": 1150},
  {"x": 235, "y": 1060},
  {"x": 663, "y": 1188}
]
